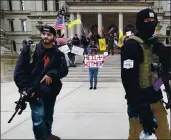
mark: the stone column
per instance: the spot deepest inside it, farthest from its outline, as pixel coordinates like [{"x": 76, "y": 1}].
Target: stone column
[
  {"x": 16, "y": 5},
  {"x": 62, "y": 4},
  {"x": 99, "y": 23},
  {"x": 50, "y": 5},
  {"x": 71, "y": 30},
  {"x": 121, "y": 22},
  {"x": 79, "y": 31}
]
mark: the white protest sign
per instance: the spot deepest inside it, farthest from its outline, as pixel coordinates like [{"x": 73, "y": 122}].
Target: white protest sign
[
  {"x": 128, "y": 33},
  {"x": 93, "y": 61},
  {"x": 77, "y": 50},
  {"x": 105, "y": 53},
  {"x": 65, "y": 49}
]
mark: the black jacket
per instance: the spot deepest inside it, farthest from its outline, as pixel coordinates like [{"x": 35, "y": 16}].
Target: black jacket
[
  {"x": 76, "y": 41},
  {"x": 130, "y": 77},
  {"x": 24, "y": 76}
]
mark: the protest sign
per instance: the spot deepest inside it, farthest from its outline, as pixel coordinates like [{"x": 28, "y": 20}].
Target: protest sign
[
  {"x": 77, "y": 50},
  {"x": 102, "y": 44},
  {"x": 93, "y": 61},
  {"x": 65, "y": 49}
]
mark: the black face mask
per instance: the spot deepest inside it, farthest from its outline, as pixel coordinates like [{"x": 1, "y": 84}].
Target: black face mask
[{"x": 147, "y": 29}]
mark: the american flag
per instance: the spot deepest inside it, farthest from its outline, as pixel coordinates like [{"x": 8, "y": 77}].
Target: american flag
[
  {"x": 61, "y": 41},
  {"x": 59, "y": 24}
]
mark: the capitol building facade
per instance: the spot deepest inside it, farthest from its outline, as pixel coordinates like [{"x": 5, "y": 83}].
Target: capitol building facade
[{"x": 19, "y": 18}]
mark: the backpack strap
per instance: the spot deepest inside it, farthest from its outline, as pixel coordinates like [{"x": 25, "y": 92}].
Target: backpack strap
[
  {"x": 31, "y": 51},
  {"x": 139, "y": 40}
]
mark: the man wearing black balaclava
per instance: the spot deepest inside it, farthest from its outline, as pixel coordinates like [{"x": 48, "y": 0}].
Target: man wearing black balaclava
[{"x": 142, "y": 85}]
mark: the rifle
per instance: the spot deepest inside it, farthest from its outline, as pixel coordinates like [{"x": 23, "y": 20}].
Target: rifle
[
  {"x": 21, "y": 103},
  {"x": 166, "y": 77}
]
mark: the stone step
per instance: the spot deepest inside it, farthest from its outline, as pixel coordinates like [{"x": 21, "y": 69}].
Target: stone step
[
  {"x": 100, "y": 73},
  {"x": 116, "y": 58},
  {"x": 99, "y": 76},
  {"x": 104, "y": 67},
  {"x": 101, "y": 70},
  {"x": 109, "y": 73},
  {"x": 106, "y": 79},
  {"x": 111, "y": 64}
]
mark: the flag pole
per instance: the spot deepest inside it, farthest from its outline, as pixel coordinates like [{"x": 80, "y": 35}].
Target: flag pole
[
  {"x": 83, "y": 28},
  {"x": 64, "y": 27}
]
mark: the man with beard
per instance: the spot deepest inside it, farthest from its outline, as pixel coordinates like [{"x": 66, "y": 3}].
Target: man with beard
[
  {"x": 26, "y": 73},
  {"x": 142, "y": 84}
]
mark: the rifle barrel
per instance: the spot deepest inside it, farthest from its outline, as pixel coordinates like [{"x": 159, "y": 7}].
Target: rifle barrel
[{"x": 13, "y": 115}]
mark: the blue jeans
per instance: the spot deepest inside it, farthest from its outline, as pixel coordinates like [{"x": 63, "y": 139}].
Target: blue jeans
[
  {"x": 93, "y": 74},
  {"x": 42, "y": 116}
]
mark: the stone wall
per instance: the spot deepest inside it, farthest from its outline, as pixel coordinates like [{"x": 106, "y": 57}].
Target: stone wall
[{"x": 8, "y": 63}]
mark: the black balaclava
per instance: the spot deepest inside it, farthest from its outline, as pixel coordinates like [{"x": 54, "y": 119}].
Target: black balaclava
[{"x": 146, "y": 29}]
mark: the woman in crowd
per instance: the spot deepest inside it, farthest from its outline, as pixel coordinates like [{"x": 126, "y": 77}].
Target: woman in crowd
[
  {"x": 93, "y": 72},
  {"x": 92, "y": 46}
]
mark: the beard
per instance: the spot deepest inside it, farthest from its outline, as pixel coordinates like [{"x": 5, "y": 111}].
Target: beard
[{"x": 47, "y": 41}]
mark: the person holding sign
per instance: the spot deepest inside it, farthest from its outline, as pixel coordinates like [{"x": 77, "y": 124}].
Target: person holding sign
[{"x": 93, "y": 72}]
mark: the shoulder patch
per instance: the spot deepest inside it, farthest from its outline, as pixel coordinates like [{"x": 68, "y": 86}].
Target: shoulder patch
[{"x": 127, "y": 64}]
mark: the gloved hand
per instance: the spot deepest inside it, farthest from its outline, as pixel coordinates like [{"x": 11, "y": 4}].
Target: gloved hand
[
  {"x": 147, "y": 119},
  {"x": 28, "y": 94}
]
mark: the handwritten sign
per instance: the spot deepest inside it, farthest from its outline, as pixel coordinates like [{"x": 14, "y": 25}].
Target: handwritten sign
[
  {"x": 77, "y": 50},
  {"x": 65, "y": 49},
  {"x": 93, "y": 61}
]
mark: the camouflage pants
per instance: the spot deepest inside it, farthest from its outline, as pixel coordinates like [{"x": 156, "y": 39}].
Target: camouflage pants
[{"x": 159, "y": 112}]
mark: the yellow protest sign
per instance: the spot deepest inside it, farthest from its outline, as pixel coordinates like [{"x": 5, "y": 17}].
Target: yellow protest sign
[
  {"x": 102, "y": 44},
  {"x": 120, "y": 40}
]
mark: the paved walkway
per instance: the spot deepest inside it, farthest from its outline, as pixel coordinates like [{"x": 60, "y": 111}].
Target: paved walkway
[{"x": 79, "y": 113}]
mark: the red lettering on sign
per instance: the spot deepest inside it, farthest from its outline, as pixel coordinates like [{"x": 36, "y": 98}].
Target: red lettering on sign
[
  {"x": 96, "y": 63},
  {"x": 86, "y": 57},
  {"x": 100, "y": 57}
]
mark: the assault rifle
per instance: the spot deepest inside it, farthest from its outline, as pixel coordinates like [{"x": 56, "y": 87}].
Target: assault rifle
[
  {"x": 166, "y": 77},
  {"x": 21, "y": 103}
]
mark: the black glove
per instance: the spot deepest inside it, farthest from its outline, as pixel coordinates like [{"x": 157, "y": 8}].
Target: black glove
[{"x": 147, "y": 119}]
